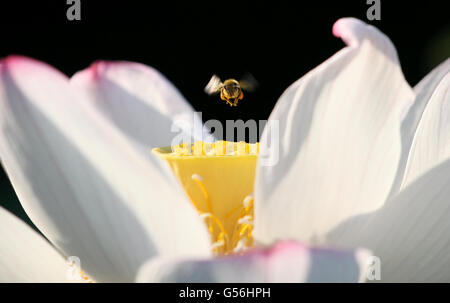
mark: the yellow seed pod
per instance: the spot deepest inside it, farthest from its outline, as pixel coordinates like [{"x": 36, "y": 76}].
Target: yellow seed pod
[{"x": 219, "y": 185}]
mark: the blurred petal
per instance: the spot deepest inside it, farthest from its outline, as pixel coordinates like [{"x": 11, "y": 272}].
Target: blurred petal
[
  {"x": 423, "y": 90},
  {"x": 25, "y": 256},
  {"x": 139, "y": 101},
  {"x": 431, "y": 143},
  {"x": 287, "y": 262},
  {"x": 411, "y": 233},
  {"x": 339, "y": 131},
  {"x": 82, "y": 183}
]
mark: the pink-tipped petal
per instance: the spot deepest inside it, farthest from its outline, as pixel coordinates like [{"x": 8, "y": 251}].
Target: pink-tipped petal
[
  {"x": 339, "y": 140},
  {"x": 285, "y": 262},
  {"x": 140, "y": 102},
  {"x": 81, "y": 181},
  {"x": 350, "y": 30}
]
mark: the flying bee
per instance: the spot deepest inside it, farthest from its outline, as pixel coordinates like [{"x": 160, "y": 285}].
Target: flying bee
[{"x": 230, "y": 90}]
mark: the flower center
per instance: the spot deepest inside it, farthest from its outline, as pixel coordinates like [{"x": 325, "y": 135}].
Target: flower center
[{"x": 218, "y": 179}]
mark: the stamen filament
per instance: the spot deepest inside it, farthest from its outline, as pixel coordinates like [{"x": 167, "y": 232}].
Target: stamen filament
[
  {"x": 198, "y": 179},
  {"x": 241, "y": 237}
]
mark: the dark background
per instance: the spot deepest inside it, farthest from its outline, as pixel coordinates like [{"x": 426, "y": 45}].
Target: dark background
[{"x": 276, "y": 41}]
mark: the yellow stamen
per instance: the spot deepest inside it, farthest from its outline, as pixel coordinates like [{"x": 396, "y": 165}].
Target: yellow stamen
[
  {"x": 218, "y": 178},
  {"x": 199, "y": 180}
]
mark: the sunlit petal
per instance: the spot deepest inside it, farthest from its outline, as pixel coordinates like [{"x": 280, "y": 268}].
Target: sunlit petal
[
  {"x": 82, "y": 183},
  {"x": 411, "y": 233},
  {"x": 431, "y": 141},
  {"x": 339, "y": 131}
]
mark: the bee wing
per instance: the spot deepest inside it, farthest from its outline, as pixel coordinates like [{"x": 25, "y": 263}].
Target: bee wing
[
  {"x": 248, "y": 82},
  {"x": 213, "y": 85}
]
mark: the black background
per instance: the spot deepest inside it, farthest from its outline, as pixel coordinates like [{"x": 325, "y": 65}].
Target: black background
[{"x": 188, "y": 41}]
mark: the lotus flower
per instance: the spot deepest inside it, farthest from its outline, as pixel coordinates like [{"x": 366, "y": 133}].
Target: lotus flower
[{"x": 363, "y": 167}]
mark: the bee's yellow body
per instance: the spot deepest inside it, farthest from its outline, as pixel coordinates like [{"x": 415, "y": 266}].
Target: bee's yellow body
[{"x": 230, "y": 90}]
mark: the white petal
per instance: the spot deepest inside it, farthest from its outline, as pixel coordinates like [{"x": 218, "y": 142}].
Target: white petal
[
  {"x": 82, "y": 184},
  {"x": 139, "y": 101},
  {"x": 411, "y": 233},
  {"x": 25, "y": 256},
  {"x": 339, "y": 130},
  {"x": 423, "y": 91},
  {"x": 287, "y": 262},
  {"x": 431, "y": 143}
]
